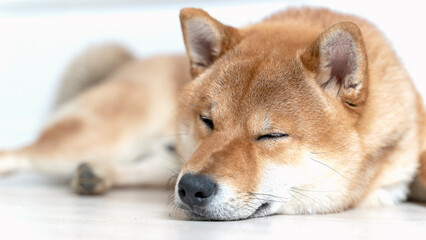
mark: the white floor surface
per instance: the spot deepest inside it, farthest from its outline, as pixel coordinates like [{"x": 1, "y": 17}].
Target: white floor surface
[{"x": 33, "y": 207}]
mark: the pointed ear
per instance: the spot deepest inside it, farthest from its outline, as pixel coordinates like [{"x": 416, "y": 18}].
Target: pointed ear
[
  {"x": 206, "y": 39},
  {"x": 338, "y": 59}
]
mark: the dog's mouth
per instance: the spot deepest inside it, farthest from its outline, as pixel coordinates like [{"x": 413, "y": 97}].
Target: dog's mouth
[
  {"x": 195, "y": 213},
  {"x": 262, "y": 210},
  {"x": 202, "y": 214}
]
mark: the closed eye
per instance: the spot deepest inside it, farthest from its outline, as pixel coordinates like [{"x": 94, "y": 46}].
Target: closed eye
[
  {"x": 207, "y": 121},
  {"x": 271, "y": 136}
]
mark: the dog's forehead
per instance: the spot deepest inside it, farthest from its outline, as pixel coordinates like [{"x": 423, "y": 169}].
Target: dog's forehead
[{"x": 244, "y": 82}]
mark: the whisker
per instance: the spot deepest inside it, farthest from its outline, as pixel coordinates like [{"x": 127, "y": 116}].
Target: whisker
[
  {"x": 172, "y": 135},
  {"x": 334, "y": 170},
  {"x": 170, "y": 201},
  {"x": 258, "y": 199},
  {"x": 171, "y": 170},
  {"x": 180, "y": 158},
  {"x": 265, "y": 194},
  {"x": 319, "y": 191},
  {"x": 312, "y": 199},
  {"x": 296, "y": 198},
  {"x": 272, "y": 198},
  {"x": 336, "y": 149},
  {"x": 169, "y": 182}
]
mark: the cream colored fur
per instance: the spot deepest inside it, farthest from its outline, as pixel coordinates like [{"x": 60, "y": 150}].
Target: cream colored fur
[{"x": 356, "y": 136}]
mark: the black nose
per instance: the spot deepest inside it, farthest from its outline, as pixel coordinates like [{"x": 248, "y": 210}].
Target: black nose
[{"x": 196, "y": 190}]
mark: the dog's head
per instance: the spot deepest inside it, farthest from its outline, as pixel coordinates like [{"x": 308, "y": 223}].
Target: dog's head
[{"x": 268, "y": 123}]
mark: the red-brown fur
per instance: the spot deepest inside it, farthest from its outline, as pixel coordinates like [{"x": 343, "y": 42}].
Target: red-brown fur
[
  {"x": 356, "y": 125},
  {"x": 368, "y": 128}
]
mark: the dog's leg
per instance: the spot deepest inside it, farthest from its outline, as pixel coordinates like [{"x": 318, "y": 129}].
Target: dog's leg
[
  {"x": 92, "y": 178},
  {"x": 418, "y": 187},
  {"x": 56, "y": 152},
  {"x": 157, "y": 166},
  {"x": 152, "y": 169},
  {"x": 97, "y": 178},
  {"x": 67, "y": 149},
  {"x": 420, "y": 181},
  {"x": 422, "y": 170},
  {"x": 11, "y": 162}
]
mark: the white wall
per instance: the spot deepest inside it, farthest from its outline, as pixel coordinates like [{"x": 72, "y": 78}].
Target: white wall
[{"x": 38, "y": 39}]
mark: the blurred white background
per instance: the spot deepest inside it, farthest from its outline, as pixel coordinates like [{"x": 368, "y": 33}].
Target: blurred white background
[{"x": 38, "y": 38}]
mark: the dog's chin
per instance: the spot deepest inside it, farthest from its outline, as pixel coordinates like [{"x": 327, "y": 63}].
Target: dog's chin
[{"x": 218, "y": 215}]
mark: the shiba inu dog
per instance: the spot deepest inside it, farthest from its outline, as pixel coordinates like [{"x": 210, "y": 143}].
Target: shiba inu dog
[{"x": 308, "y": 111}]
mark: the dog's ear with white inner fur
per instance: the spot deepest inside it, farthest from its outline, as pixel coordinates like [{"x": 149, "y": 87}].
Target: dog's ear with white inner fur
[
  {"x": 338, "y": 60},
  {"x": 206, "y": 39}
]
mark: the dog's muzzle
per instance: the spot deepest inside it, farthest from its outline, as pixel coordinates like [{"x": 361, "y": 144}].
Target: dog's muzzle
[{"x": 202, "y": 198}]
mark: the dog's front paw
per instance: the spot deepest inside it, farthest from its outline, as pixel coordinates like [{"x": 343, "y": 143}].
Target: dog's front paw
[{"x": 88, "y": 179}]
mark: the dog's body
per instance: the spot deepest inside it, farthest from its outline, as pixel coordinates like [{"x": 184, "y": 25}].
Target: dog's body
[
  {"x": 309, "y": 111},
  {"x": 121, "y": 126}
]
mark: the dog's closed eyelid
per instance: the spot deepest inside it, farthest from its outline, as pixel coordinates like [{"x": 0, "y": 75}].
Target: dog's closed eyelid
[
  {"x": 199, "y": 64},
  {"x": 350, "y": 104},
  {"x": 272, "y": 136}
]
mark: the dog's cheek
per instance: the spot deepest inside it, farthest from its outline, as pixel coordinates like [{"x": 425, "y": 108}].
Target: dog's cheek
[{"x": 275, "y": 185}]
